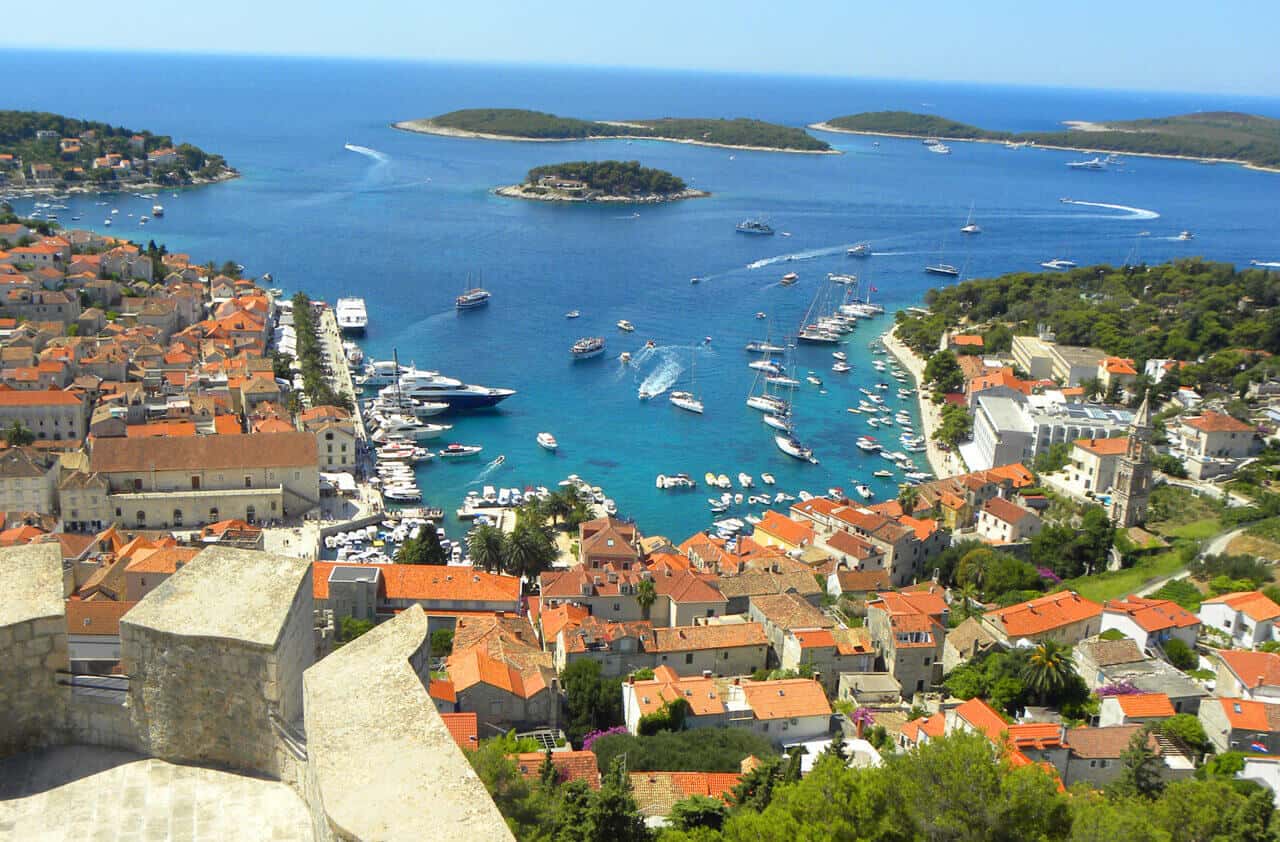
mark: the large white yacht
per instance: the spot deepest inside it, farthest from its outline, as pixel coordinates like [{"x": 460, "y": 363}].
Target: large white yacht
[{"x": 351, "y": 315}]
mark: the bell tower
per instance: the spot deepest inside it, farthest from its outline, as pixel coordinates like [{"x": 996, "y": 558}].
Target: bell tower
[{"x": 1132, "y": 488}]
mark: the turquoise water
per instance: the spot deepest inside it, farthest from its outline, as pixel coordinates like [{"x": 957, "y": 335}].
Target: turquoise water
[{"x": 404, "y": 221}]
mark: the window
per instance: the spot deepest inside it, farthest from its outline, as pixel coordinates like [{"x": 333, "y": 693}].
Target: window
[
  {"x": 250, "y": 513},
  {"x": 140, "y": 517},
  {"x": 617, "y": 606},
  {"x": 137, "y": 485},
  {"x": 688, "y": 657},
  {"x": 177, "y": 517},
  {"x": 213, "y": 515},
  {"x": 195, "y": 483},
  {"x": 724, "y": 656},
  {"x": 248, "y": 482}
]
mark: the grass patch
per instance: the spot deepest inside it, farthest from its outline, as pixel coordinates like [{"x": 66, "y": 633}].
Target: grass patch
[
  {"x": 1173, "y": 507},
  {"x": 1267, "y": 530},
  {"x": 1113, "y": 584},
  {"x": 1197, "y": 530}
]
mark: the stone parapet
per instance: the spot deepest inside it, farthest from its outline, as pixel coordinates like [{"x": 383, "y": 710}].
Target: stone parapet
[
  {"x": 33, "y": 647},
  {"x": 370, "y": 720}
]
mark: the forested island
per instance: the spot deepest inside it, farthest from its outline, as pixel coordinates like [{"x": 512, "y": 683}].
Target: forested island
[
  {"x": 1214, "y": 135},
  {"x": 48, "y": 152},
  {"x": 1223, "y": 320},
  {"x": 520, "y": 124},
  {"x": 601, "y": 181}
]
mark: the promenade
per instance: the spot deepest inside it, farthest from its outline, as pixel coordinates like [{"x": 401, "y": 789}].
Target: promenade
[{"x": 944, "y": 463}]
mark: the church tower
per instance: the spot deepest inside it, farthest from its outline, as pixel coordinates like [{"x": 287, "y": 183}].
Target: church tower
[{"x": 1132, "y": 488}]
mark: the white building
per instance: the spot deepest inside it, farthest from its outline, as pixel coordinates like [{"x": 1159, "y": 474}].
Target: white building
[
  {"x": 1017, "y": 429},
  {"x": 1248, "y": 617}
]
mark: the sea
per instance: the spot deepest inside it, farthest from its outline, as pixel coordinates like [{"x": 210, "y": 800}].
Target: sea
[{"x": 334, "y": 202}]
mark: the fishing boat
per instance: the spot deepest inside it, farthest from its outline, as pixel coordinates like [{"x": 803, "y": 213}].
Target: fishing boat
[
  {"x": 625, "y": 325},
  {"x": 754, "y": 226},
  {"x": 859, "y": 250},
  {"x": 587, "y": 347},
  {"x": 460, "y": 451},
  {"x": 547, "y": 441},
  {"x": 791, "y": 446}
]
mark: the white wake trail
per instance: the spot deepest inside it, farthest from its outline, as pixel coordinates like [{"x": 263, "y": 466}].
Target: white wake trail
[
  {"x": 1133, "y": 213},
  {"x": 380, "y": 157}
]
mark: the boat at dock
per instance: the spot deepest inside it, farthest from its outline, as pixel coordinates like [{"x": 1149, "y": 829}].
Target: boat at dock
[{"x": 351, "y": 315}]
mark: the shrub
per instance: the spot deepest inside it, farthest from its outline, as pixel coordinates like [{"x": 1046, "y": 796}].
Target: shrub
[
  {"x": 1180, "y": 654},
  {"x": 700, "y": 750}
]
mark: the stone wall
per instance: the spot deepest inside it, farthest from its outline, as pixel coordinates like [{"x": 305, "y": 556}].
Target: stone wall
[
  {"x": 33, "y": 646},
  {"x": 381, "y": 763}
]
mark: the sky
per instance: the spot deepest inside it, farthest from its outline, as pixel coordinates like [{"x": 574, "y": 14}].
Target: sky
[{"x": 1174, "y": 45}]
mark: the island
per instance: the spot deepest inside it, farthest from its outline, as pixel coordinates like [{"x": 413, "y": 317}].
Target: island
[
  {"x": 1226, "y": 136},
  {"x": 601, "y": 181},
  {"x": 48, "y": 153},
  {"x": 520, "y": 124}
]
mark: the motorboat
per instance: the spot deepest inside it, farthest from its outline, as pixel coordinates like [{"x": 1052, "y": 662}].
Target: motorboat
[
  {"x": 867, "y": 444},
  {"x": 940, "y": 148},
  {"x": 472, "y": 299},
  {"x": 695, "y": 280},
  {"x": 460, "y": 451},
  {"x": 764, "y": 347},
  {"x": 1058, "y": 264},
  {"x": 840, "y": 355},
  {"x": 814, "y": 379},
  {"x": 157, "y": 211},
  {"x": 744, "y": 480},
  {"x": 686, "y": 401},
  {"x": 863, "y": 491},
  {"x": 587, "y": 347},
  {"x": 767, "y": 479},
  {"x": 760, "y": 314},
  {"x": 645, "y": 394},
  {"x": 754, "y": 226},
  {"x": 859, "y": 250},
  {"x": 625, "y": 325},
  {"x": 722, "y": 481},
  {"x": 789, "y": 279},
  {"x": 666, "y": 482},
  {"x": 844, "y": 280},
  {"x": 547, "y": 441},
  {"x": 882, "y": 473},
  {"x": 432, "y": 386},
  {"x": 943, "y": 269},
  {"x": 625, "y": 357},
  {"x": 1091, "y": 164},
  {"x": 791, "y": 446},
  {"x": 1186, "y": 235},
  {"x": 841, "y": 367},
  {"x": 572, "y": 314}
]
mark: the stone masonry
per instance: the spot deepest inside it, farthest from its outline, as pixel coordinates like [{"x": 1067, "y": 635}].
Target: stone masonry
[{"x": 33, "y": 646}]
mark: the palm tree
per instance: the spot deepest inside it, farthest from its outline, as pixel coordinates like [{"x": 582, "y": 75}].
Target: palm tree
[
  {"x": 968, "y": 594},
  {"x": 1048, "y": 669},
  {"x": 485, "y": 546},
  {"x": 907, "y": 498},
  {"x": 558, "y": 506},
  {"x": 646, "y": 595},
  {"x": 527, "y": 551}
]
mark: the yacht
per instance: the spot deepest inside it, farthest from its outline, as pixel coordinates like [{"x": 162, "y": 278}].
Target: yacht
[
  {"x": 970, "y": 227},
  {"x": 380, "y": 373},
  {"x": 157, "y": 211},
  {"x": 769, "y": 403},
  {"x": 817, "y": 334},
  {"x": 778, "y": 422},
  {"x": 867, "y": 443},
  {"x": 472, "y": 298},
  {"x": 882, "y": 473},
  {"x": 763, "y": 347},
  {"x": 943, "y": 269},
  {"x": 789, "y": 279},
  {"x": 754, "y": 226},
  {"x": 459, "y": 451},
  {"x": 587, "y": 347},
  {"x": 838, "y": 278},
  {"x": 1091, "y": 164},
  {"x": 351, "y": 315},
  {"x": 782, "y": 380},
  {"x": 1059, "y": 264},
  {"x": 686, "y": 401},
  {"x": 859, "y": 250},
  {"x": 1186, "y": 235},
  {"x": 841, "y": 367},
  {"x": 767, "y": 366},
  {"x": 572, "y": 314},
  {"x": 625, "y": 325},
  {"x": 940, "y": 148},
  {"x": 791, "y": 446},
  {"x": 840, "y": 355},
  {"x": 430, "y": 386},
  {"x": 547, "y": 441}
]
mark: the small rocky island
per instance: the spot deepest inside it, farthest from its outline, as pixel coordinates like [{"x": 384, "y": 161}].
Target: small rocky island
[{"x": 601, "y": 181}]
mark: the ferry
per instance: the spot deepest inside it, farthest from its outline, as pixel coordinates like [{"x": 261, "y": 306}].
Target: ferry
[
  {"x": 587, "y": 347},
  {"x": 754, "y": 226},
  {"x": 351, "y": 315},
  {"x": 472, "y": 298}
]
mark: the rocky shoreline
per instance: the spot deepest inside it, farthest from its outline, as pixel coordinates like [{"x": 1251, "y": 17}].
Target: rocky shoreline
[
  {"x": 542, "y": 194},
  {"x": 27, "y": 192}
]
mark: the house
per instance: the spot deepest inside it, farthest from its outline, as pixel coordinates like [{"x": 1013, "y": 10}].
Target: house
[
  {"x": 608, "y": 542},
  {"x": 739, "y": 589},
  {"x": 1003, "y": 522},
  {"x": 50, "y": 414},
  {"x": 1249, "y": 675},
  {"x": 778, "y": 530},
  {"x": 617, "y": 646},
  {"x": 908, "y": 632},
  {"x": 730, "y": 649},
  {"x": 966, "y": 642},
  {"x": 964, "y": 343},
  {"x": 1241, "y": 725},
  {"x": 1094, "y": 755},
  {"x": 368, "y": 591},
  {"x": 1118, "y": 371},
  {"x": 147, "y": 568},
  {"x": 642, "y": 698},
  {"x": 655, "y": 793},
  {"x": 1150, "y": 622},
  {"x": 1091, "y": 468},
  {"x": 781, "y": 613},
  {"x": 828, "y": 653},
  {"x": 867, "y": 689},
  {"x": 857, "y": 584},
  {"x": 28, "y": 481},
  {"x": 1214, "y": 442},
  {"x": 1018, "y": 428},
  {"x": 500, "y": 693},
  {"x": 917, "y": 732},
  {"x": 790, "y": 711},
  {"x": 1121, "y": 663},
  {"x": 570, "y": 765},
  {"x": 1135, "y": 709},
  {"x": 93, "y": 634},
  {"x": 903, "y": 544},
  {"x": 1248, "y": 617},
  {"x": 1025, "y": 743},
  {"x": 1065, "y": 617}
]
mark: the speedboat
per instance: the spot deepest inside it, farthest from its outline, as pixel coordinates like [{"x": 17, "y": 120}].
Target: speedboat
[
  {"x": 859, "y": 250},
  {"x": 1058, "y": 264},
  {"x": 789, "y": 279},
  {"x": 791, "y": 446},
  {"x": 840, "y": 355},
  {"x": 695, "y": 280},
  {"x": 943, "y": 269},
  {"x": 841, "y": 367},
  {"x": 459, "y": 451},
  {"x": 625, "y": 357},
  {"x": 587, "y": 347},
  {"x": 814, "y": 379},
  {"x": 645, "y": 393},
  {"x": 1186, "y": 235},
  {"x": 722, "y": 481},
  {"x": 864, "y": 492},
  {"x": 867, "y": 443},
  {"x": 472, "y": 298},
  {"x": 744, "y": 480},
  {"x": 1091, "y": 164},
  {"x": 157, "y": 211},
  {"x": 767, "y": 479},
  {"x": 547, "y": 441},
  {"x": 572, "y": 314},
  {"x": 762, "y": 347},
  {"x": 760, "y": 314},
  {"x": 623, "y": 324},
  {"x": 882, "y": 473},
  {"x": 686, "y": 401}
]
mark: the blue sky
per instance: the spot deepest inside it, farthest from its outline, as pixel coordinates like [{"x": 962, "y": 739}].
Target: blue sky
[{"x": 1178, "y": 45}]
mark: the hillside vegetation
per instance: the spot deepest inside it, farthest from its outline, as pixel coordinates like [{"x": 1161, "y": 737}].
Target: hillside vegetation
[
  {"x": 1217, "y": 134},
  {"x": 613, "y": 178},
  {"x": 519, "y": 123}
]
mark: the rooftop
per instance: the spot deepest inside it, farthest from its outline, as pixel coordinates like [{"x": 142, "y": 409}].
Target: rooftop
[
  {"x": 1217, "y": 422},
  {"x": 1145, "y": 705},
  {"x": 1253, "y": 669},
  {"x": 1153, "y": 615},
  {"x": 1044, "y": 613},
  {"x": 1253, "y": 604}
]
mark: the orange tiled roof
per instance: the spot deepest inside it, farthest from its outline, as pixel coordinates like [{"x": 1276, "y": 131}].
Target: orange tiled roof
[
  {"x": 161, "y": 560},
  {"x": 474, "y": 666},
  {"x": 1253, "y": 604},
  {"x": 1004, "y": 510},
  {"x": 667, "y": 686},
  {"x": 1244, "y": 715},
  {"x": 1104, "y": 447},
  {"x": 690, "y": 638},
  {"x": 429, "y": 583},
  {"x": 560, "y": 617},
  {"x": 98, "y": 617},
  {"x": 785, "y": 529},
  {"x": 1119, "y": 365},
  {"x": 570, "y": 766},
  {"x": 1048, "y": 612},
  {"x": 1217, "y": 422},
  {"x": 1253, "y": 669},
  {"x": 656, "y": 792},
  {"x": 1153, "y": 614},
  {"x": 1039, "y": 735},
  {"x": 984, "y": 719},
  {"x": 814, "y": 638},
  {"x": 932, "y": 726},
  {"x": 968, "y": 339},
  {"x": 1146, "y": 705},
  {"x": 443, "y": 690},
  {"x": 786, "y": 699},
  {"x": 464, "y": 729}
]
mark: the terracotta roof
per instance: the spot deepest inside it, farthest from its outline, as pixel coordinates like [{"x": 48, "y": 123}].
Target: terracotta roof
[
  {"x": 1153, "y": 615},
  {"x": 933, "y": 726},
  {"x": 559, "y": 617},
  {"x": 464, "y": 729},
  {"x": 816, "y": 506},
  {"x": 1045, "y": 613},
  {"x": 1108, "y": 653},
  {"x": 760, "y": 582},
  {"x": 862, "y": 581},
  {"x": 1244, "y": 715},
  {"x": 1002, "y": 509},
  {"x": 161, "y": 560},
  {"x": 1217, "y": 422},
  {"x": 1253, "y": 669},
  {"x": 656, "y": 792},
  {"x": 984, "y": 719},
  {"x": 786, "y": 699},
  {"x": 99, "y": 617},
  {"x": 688, "y": 586},
  {"x": 1015, "y": 472},
  {"x": 967, "y": 339},
  {"x": 474, "y": 666},
  {"x": 789, "y": 611},
  {"x": 1119, "y": 365},
  {"x": 851, "y": 545},
  {"x": 666, "y": 686},
  {"x": 1097, "y": 743},
  {"x": 1253, "y": 604},
  {"x": 694, "y": 638},
  {"x": 443, "y": 690},
  {"x": 263, "y": 450},
  {"x": 1104, "y": 447},
  {"x": 607, "y": 536},
  {"x": 37, "y": 397},
  {"x": 1038, "y": 735},
  {"x": 1145, "y": 705},
  {"x": 814, "y": 638},
  {"x": 428, "y": 583},
  {"x": 785, "y": 529},
  {"x": 570, "y": 766},
  {"x": 853, "y": 641}
]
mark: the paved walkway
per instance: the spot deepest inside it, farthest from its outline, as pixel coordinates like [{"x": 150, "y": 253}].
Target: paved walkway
[
  {"x": 944, "y": 463},
  {"x": 88, "y": 794}
]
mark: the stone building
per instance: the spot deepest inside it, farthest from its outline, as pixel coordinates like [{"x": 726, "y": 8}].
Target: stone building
[{"x": 1132, "y": 490}]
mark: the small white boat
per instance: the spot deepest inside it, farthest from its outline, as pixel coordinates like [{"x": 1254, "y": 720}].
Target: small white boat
[
  {"x": 863, "y": 491},
  {"x": 859, "y": 250},
  {"x": 722, "y": 481},
  {"x": 625, "y": 325},
  {"x": 841, "y": 368},
  {"x": 744, "y": 480},
  {"x": 625, "y": 357},
  {"x": 695, "y": 280},
  {"x": 547, "y": 441},
  {"x": 572, "y": 314},
  {"x": 840, "y": 355},
  {"x": 459, "y": 451},
  {"x": 761, "y": 315},
  {"x": 1186, "y": 235},
  {"x": 767, "y": 479},
  {"x": 789, "y": 279},
  {"x": 882, "y": 473},
  {"x": 686, "y": 401}
]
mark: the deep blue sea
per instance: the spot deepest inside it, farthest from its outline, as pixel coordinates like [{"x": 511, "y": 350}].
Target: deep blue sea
[{"x": 405, "y": 222}]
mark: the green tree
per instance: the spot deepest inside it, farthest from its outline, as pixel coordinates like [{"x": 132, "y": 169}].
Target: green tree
[
  {"x": 943, "y": 372},
  {"x": 754, "y": 791},
  {"x": 594, "y": 702},
  {"x": 1180, "y": 654},
  {"x": 646, "y": 595},
  {"x": 698, "y": 811},
  {"x": 423, "y": 548},
  {"x": 1048, "y": 669},
  {"x": 442, "y": 643},
  {"x": 613, "y": 815},
  {"x": 349, "y": 628},
  {"x": 18, "y": 436},
  {"x": 1098, "y": 819},
  {"x": 527, "y": 551},
  {"x": 484, "y": 546},
  {"x": 1186, "y": 728},
  {"x": 1140, "y": 769},
  {"x": 1054, "y": 459},
  {"x": 908, "y": 495}
]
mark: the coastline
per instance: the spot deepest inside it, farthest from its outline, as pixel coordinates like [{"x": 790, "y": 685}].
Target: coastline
[
  {"x": 943, "y": 463},
  {"x": 827, "y": 127},
  {"x": 28, "y": 192},
  {"x": 425, "y": 127},
  {"x": 518, "y": 191}
]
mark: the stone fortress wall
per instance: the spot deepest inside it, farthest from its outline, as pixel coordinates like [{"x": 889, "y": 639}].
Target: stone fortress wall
[{"x": 33, "y": 646}]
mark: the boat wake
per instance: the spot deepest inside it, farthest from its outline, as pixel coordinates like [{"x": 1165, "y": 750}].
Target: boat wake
[
  {"x": 664, "y": 374},
  {"x": 1265, "y": 264},
  {"x": 812, "y": 254},
  {"x": 486, "y": 472},
  {"x": 1131, "y": 212},
  {"x": 380, "y": 157}
]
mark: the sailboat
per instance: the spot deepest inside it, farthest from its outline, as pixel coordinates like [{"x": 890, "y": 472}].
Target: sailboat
[
  {"x": 766, "y": 402},
  {"x": 687, "y": 401},
  {"x": 970, "y": 227},
  {"x": 941, "y": 268}
]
